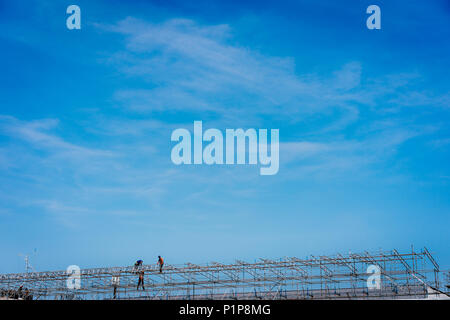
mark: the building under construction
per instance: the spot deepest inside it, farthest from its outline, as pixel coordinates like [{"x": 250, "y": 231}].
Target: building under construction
[{"x": 383, "y": 275}]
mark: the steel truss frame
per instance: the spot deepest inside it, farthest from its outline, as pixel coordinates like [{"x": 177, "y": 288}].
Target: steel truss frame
[{"x": 402, "y": 275}]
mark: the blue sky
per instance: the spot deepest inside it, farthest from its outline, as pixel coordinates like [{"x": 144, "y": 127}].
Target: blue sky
[{"x": 86, "y": 116}]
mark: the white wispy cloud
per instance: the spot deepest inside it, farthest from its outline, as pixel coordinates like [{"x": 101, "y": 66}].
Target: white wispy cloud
[
  {"x": 37, "y": 134},
  {"x": 194, "y": 67},
  {"x": 341, "y": 156},
  {"x": 187, "y": 66}
]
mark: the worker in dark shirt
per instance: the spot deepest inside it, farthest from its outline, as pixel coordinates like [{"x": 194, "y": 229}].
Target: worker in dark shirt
[{"x": 141, "y": 280}]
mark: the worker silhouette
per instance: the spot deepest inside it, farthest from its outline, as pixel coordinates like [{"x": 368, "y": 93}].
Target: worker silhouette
[
  {"x": 137, "y": 268},
  {"x": 141, "y": 280},
  {"x": 160, "y": 263}
]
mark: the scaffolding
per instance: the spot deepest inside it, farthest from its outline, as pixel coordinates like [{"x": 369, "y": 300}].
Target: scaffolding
[{"x": 412, "y": 275}]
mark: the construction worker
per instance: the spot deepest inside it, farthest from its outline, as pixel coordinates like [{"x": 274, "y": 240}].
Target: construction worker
[
  {"x": 160, "y": 263},
  {"x": 138, "y": 265},
  {"x": 141, "y": 280}
]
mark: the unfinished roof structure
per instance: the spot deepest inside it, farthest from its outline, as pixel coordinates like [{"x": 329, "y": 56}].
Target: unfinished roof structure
[{"x": 400, "y": 276}]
